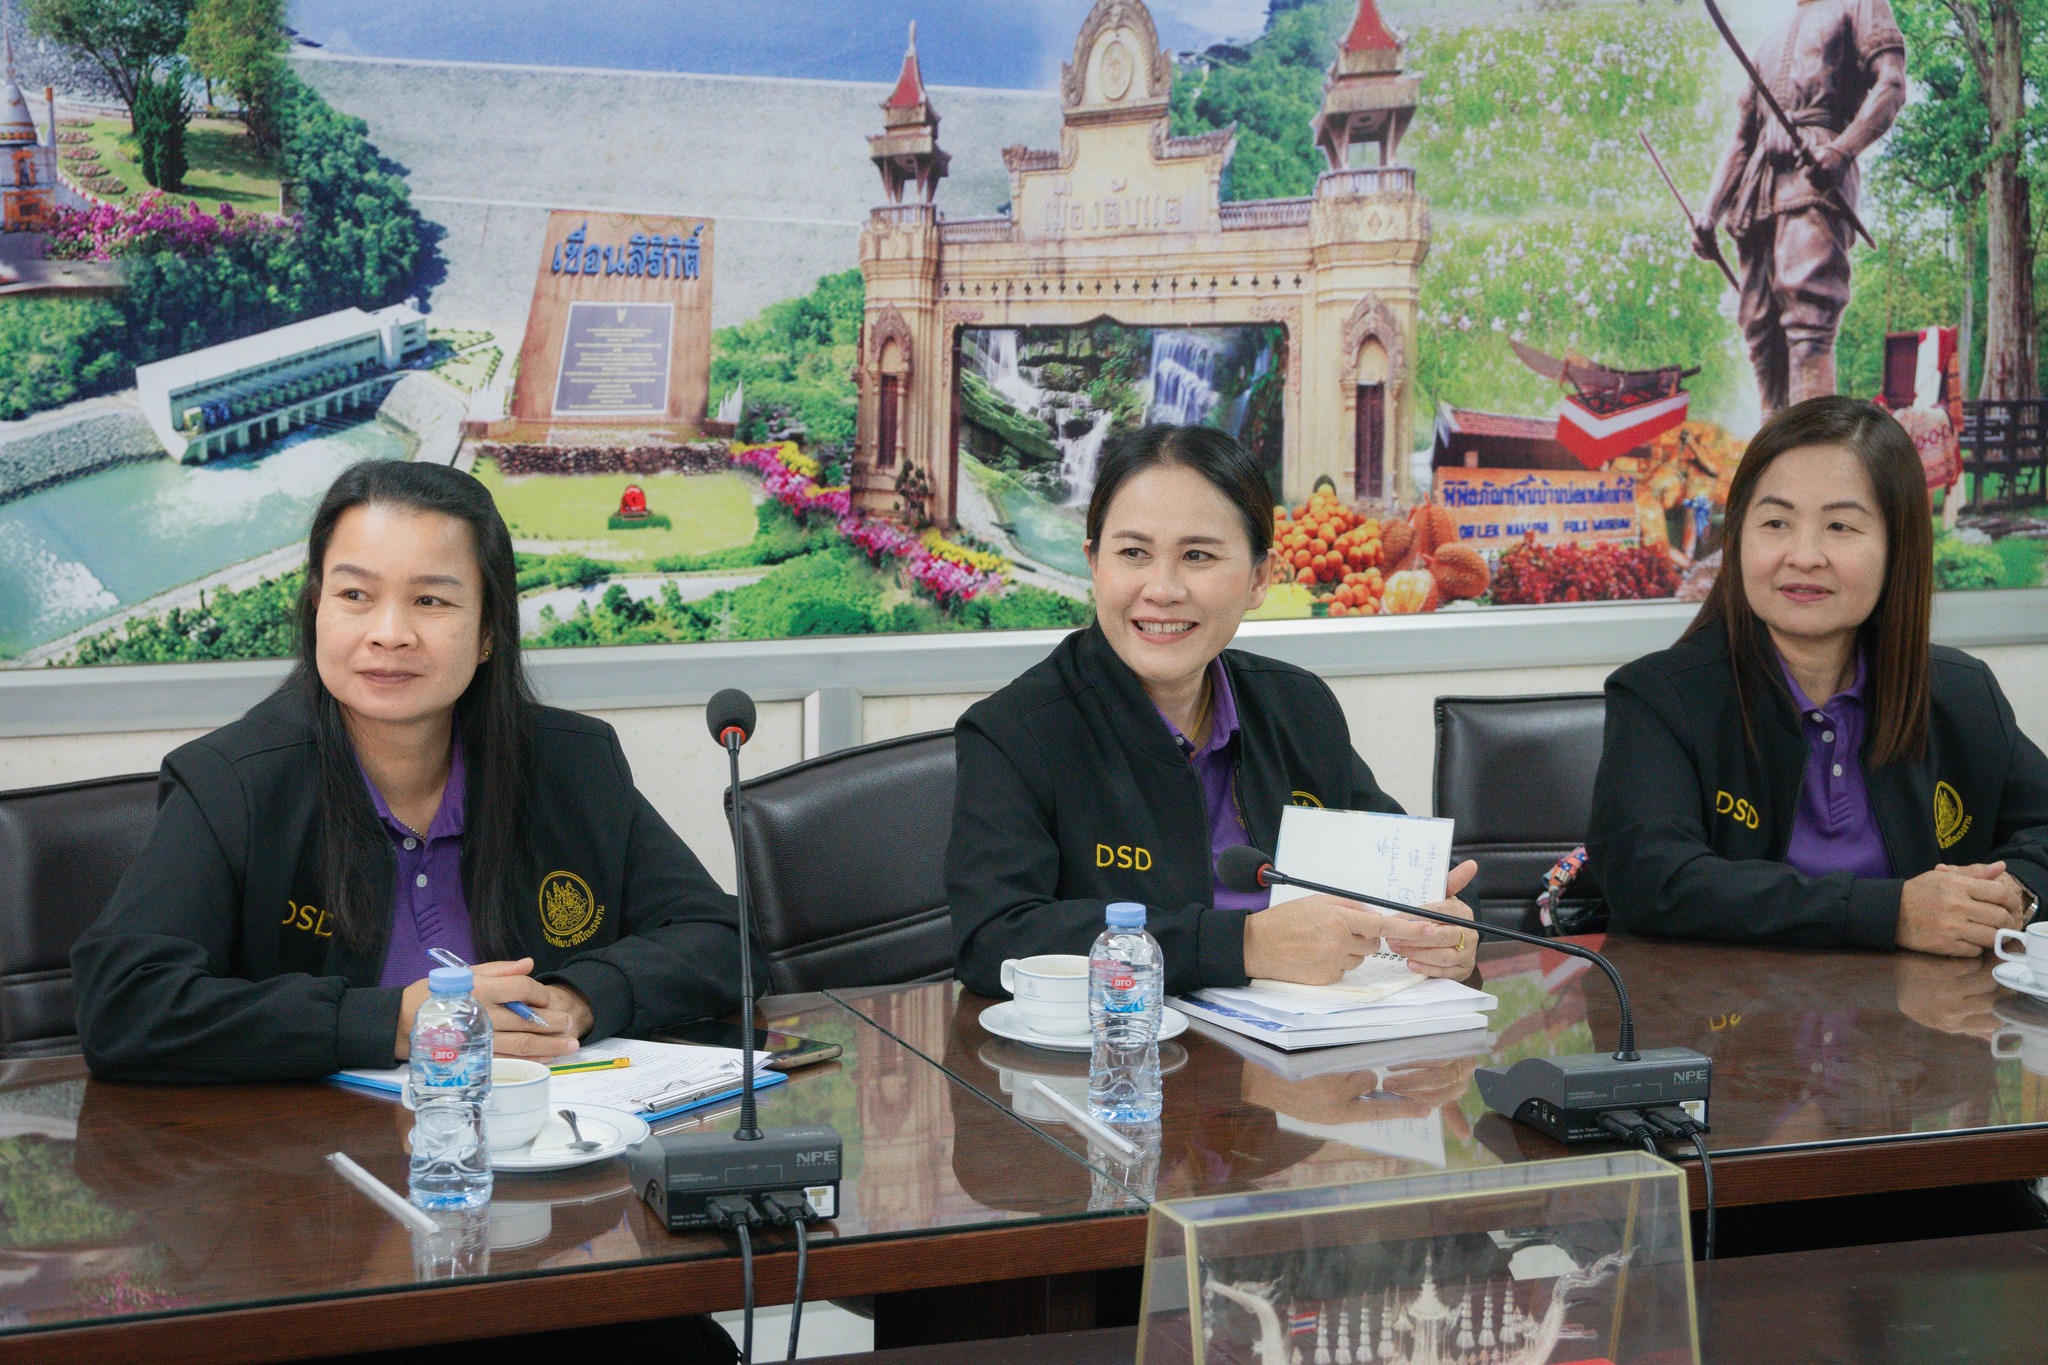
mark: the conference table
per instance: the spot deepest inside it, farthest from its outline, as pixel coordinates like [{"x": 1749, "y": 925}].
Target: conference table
[{"x": 173, "y": 1223}]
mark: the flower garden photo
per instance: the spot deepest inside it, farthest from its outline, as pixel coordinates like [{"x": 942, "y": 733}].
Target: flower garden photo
[{"x": 1430, "y": 267}]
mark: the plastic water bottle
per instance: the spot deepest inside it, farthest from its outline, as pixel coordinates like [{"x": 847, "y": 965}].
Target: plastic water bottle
[
  {"x": 1126, "y": 982},
  {"x": 450, "y": 1083}
]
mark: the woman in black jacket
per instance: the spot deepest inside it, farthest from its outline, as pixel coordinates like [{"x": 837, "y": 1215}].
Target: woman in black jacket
[
  {"x": 1803, "y": 766},
  {"x": 1141, "y": 747},
  {"x": 401, "y": 792}
]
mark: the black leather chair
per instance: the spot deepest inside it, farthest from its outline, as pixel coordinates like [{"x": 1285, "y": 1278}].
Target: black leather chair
[
  {"x": 846, "y": 865},
  {"x": 1516, "y": 773},
  {"x": 62, "y": 849}
]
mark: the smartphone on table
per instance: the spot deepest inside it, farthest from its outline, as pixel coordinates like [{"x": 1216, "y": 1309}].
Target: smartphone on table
[{"x": 785, "y": 1051}]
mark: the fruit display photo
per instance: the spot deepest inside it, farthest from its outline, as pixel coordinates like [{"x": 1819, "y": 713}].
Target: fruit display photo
[{"x": 1352, "y": 563}]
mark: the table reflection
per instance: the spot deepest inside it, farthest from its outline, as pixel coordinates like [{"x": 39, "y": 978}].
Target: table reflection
[
  {"x": 121, "y": 1199},
  {"x": 1809, "y": 1048},
  {"x": 226, "y": 1193},
  {"x": 1817, "y": 1047}
]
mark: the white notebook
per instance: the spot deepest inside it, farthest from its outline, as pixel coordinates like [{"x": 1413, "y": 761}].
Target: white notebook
[{"x": 1404, "y": 858}]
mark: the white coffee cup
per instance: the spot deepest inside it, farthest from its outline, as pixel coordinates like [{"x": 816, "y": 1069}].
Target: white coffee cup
[
  {"x": 518, "y": 1106},
  {"x": 1051, "y": 991},
  {"x": 2033, "y": 950}
]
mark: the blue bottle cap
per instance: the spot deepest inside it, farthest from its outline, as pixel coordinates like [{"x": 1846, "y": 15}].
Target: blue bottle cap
[
  {"x": 1125, "y": 915},
  {"x": 450, "y": 980}
]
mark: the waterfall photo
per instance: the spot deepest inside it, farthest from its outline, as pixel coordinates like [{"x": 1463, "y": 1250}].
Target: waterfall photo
[{"x": 1036, "y": 405}]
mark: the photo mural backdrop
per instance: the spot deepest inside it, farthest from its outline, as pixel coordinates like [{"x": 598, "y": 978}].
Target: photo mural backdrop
[{"x": 1495, "y": 292}]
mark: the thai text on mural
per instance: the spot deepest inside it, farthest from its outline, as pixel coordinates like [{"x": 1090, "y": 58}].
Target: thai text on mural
[
  {"x": 1068, "y": 213},
  {"x": 648, "y": 255},
  {"x": 1494, "y": 506}
]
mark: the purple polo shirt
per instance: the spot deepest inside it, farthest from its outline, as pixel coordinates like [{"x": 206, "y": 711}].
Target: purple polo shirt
[
  {"x": 1216, "y": 769},
  {"x": 427, "y": 906},
  {"x": 1834, "y": 828}
]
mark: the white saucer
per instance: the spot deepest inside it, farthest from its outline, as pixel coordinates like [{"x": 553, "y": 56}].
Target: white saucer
[
  {"x": 2014, "y": 976},
  {"x": 1004, "y": 1021},
  {"x": 613, "y": 1129}
]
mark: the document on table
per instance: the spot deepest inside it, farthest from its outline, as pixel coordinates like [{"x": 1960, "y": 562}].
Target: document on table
[
  {"x": 1379, "y": 976},
  {"x": 664, "y": 1078},
  {"x": 1405, "y": 858},
  {"x": 1427, "y": 997}
]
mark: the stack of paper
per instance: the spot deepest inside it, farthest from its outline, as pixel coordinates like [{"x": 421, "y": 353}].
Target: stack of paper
[
  {"x": 1294, "y": 1017},
  {"x": 1400, "y": 858},
  {"x": 1330, "y": 1061},
  {"x": 662, "y": 1078}
]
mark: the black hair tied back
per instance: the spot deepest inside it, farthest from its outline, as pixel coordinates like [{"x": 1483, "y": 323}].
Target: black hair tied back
[{"x": 1215, "y": 455}]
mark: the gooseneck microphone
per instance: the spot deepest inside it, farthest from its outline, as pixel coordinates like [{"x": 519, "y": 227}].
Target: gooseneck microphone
[
  {"x": 1562, "y": 1096},
  {"x": 730, "y": 716},
  {"x": 785, "y": 1177}
]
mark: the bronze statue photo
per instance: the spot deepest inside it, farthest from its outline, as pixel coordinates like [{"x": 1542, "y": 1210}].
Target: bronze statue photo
[{"x": 1821, "y": 89}]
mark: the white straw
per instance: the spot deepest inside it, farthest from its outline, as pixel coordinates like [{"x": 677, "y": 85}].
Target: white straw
[
  {"x": 381, "y": 1193},
  {"x": 1088, "y": 1123}
]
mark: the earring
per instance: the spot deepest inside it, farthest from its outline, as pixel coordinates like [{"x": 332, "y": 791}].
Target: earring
[{"x": 486, "y": 655}]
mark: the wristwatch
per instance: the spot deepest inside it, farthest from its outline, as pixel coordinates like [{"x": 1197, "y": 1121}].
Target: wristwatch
[{"x": 2033, "y": 902}]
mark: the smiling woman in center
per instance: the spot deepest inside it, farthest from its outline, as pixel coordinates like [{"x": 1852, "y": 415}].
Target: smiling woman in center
[{"x": 1143, "y": 746}]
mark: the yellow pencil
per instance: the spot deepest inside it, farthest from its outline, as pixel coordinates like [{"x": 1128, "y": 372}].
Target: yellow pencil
[{"x": 611, "y": 1065}]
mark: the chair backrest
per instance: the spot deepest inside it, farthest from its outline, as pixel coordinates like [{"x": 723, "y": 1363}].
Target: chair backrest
[
  {"x": 1516, "y": 773},
  {"x": 62, "y": 850},
  {"x": 846, "y": 865}
]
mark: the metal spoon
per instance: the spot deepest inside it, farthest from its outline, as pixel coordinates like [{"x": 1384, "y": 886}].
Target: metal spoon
[{"x": 581, "y": 1143}]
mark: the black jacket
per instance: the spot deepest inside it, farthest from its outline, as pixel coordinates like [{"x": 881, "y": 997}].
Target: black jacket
[
  {"x": 1072, "y": 793},
  {"x": 1690, "y": 824},
  {"x": 210, "y": 962}
]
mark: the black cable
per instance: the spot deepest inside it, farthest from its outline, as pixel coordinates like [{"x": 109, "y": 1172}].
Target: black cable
[
  {"x": 1629, "y": 1126},
  {"x": 747, "y": 1277},
  {"x": 796, "y": 1307},
  {"x": 1699, "y": 1143},
  {"x": 1675, "y": 1123}
]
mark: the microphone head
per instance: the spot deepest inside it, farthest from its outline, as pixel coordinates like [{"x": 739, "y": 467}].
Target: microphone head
[
  {"x": 1244, "y": 868},
  {"x": 730, "y": 709}
]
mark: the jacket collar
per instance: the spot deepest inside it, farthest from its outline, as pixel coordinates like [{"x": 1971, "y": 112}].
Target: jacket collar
[{"x": 1139, "y": 723}]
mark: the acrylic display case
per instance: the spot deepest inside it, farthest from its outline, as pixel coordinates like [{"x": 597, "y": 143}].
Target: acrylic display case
[{"x": 1588, "y": 1259}]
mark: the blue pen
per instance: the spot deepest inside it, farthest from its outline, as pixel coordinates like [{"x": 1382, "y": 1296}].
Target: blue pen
[{"x": 448, "y": 959}]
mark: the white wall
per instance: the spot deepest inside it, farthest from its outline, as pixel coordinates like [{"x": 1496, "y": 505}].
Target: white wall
[{"x": 674, "y": 762}]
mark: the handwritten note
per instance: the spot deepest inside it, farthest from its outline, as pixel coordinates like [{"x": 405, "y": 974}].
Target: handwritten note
[{"x": 1404, "y": 858}]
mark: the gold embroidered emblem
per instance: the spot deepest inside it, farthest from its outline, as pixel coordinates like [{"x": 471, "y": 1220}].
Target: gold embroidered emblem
[
  {"x": 568, "y": 912},
  {"x": 1951, "y": 821},
  {"x": 1302, "y": 798}
]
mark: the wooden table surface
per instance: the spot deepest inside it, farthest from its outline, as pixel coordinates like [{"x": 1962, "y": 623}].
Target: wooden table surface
[
  {"x": 1834, "y": 1074},
  {"x": 149, "y": 1202},
  {"x": 194, "y": 1223},
  {"x": 1964, "y": 1300}
]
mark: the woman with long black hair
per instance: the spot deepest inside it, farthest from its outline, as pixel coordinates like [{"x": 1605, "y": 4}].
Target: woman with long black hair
[
  {"x": 402, "y": 791},
  {"x": 1804, "y": 766}
]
